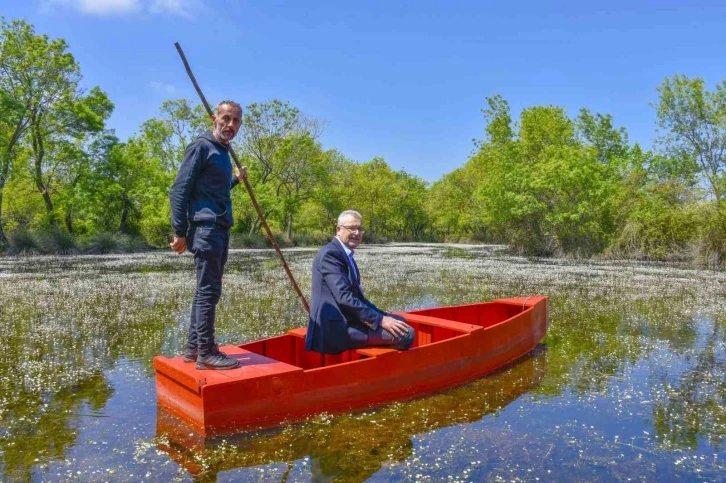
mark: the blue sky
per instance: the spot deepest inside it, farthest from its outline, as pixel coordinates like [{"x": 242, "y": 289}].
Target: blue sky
[{"x": 405, "y": 81}]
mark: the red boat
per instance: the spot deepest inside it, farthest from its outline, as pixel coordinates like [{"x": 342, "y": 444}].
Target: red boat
[{"x": 279, "y": 381}]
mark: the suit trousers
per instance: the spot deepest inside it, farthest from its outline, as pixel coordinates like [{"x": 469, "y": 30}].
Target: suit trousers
[{"x": 381, "y": 337}]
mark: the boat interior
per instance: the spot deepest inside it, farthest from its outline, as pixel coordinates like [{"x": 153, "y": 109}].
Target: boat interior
[{"x": 431, "y": 325}]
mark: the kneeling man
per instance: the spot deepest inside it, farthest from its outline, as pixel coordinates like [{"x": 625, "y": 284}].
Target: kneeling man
[{"x": 341, "y": 317}]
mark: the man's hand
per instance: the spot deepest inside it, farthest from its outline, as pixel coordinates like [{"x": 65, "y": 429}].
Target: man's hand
[
  {"x": 241, "y": 175},
  {"x": 397, "y": 328},
  {"x": 179, "y": 244}
]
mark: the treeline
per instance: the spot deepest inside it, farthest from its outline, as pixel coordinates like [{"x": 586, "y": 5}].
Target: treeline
[
  {"x": 545, "y": 184},
  {"x": 553, "y": 185}
]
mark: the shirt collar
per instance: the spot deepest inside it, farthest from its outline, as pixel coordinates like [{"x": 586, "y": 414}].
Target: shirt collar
[{"x": 348, "y": 251}]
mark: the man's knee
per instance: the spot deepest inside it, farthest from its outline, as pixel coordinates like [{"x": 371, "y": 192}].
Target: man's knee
[
  {"x": 408, "y": 338},
  {"x": 397, "y": 317}
]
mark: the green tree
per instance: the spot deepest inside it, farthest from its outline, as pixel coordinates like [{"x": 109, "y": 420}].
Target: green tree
[
  {"x": 409, "y": 220},
  {"x": 597, "y": 130},
  {"x": 81, "y": 155},
  {"x": 694, "y": 123},
  {"x": 166, "y": 137},
  {"x": 499, "y": 130},
  {"x": 370, "y": 192},
  {"x": 266, "y": 129},
  {"x": 266, "y": 126},
  {"x": 42, "y": 76},
  {"x": 122, "y": 185},
  {"x": 320, "y": 212},
  {"x": 12, "y": 127},
  {"x": 550, "y": 186},
  {"x": 300, "y": 167},
  {"x": 14, "y": 121},
  {"x": 391, "y": 202},
  {"x": 694, "y": 120}
]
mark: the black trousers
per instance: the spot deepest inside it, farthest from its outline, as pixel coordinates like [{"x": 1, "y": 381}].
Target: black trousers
[{"x": 210, "y": 246}]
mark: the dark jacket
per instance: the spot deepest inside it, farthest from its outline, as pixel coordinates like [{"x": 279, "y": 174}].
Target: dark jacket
[
  {"x": 200, "y": 193},
  {"x": 340, "y": 315}
]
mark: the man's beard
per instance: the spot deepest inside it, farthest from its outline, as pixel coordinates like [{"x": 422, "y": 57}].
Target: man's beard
[{"x": 227, "y": 137}]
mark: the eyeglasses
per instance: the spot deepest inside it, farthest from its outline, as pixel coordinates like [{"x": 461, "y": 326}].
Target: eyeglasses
[{"x": 354, "y": 229}]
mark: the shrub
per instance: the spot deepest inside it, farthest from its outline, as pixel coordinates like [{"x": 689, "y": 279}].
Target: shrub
[
  {"x": 245, "y": 240},
  {"x": 23, "y": 242},
  {"x": 456, "y": 252},
  {"x": 657, "y": 228},
  {"x": 315, "y": 239},
  {"x": 156, "y": 231},
  {"x": 59, "y": 242},
  {"x": 133, "y": 243},
  {"x": 711, "y": 251},
  {"x": 103, "y": 243}
]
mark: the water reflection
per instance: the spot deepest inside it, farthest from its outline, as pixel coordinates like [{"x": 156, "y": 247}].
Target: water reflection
[
  {"x": 352, "y": 446},
  {"x": 692, "y": 406},
  {"x": 38, "y": 430},
  {"x": 635, "y": 383}
]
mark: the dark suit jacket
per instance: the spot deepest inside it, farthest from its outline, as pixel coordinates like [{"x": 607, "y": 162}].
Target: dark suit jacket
[{"x": 340, "y": 315}]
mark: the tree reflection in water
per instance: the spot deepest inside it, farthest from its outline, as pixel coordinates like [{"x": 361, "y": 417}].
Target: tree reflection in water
[
  {"x": 41, "y": 430},
  {"x": 692, "y": 404}
]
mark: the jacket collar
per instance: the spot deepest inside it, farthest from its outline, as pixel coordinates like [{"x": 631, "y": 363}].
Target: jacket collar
[{"x": 209, "y": 136}]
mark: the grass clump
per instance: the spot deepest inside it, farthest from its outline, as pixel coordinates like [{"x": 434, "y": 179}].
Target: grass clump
[
  {"x": 246, "y": 240},
  {"x": 23, "y": 242},
  {"x": 132, "y": 243},
  {"x": 311, "y": 239},
  {"x": 260, "y": 240},
  {"x": 105, "y": 243},
  {"x": 455, "y": 252},
  {"x": 59, "y": 242}
]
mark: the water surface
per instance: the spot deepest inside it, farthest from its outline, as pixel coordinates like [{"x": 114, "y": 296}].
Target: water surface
[{"x": 629, "y": 384}]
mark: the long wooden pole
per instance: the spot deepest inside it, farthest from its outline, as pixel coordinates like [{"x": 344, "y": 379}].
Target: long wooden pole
[{"x": 246, "y": 182}]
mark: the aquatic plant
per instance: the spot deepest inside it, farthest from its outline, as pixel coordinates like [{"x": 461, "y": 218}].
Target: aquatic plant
[{"x": 634, "y": 370}]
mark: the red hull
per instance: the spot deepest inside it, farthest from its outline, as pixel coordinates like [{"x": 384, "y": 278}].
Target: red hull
[{"x": 279, "y": 381}]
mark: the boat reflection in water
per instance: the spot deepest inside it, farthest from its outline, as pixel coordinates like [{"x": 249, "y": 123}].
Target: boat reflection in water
[{"x": 353, "y": 445}]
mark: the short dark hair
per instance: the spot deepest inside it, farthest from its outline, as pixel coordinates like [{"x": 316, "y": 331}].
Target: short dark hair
[{"x": 229, "y": 103}]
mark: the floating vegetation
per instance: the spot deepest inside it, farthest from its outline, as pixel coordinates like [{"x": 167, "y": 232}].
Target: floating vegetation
[
  {"x": 456, "y": 252},
  {"x": 628, "y": 384}
]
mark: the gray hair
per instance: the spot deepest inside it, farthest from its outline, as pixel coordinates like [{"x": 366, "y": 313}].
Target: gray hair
[
  {"x": 229, "y": 103},
  {"x": 352, "y": 213}
]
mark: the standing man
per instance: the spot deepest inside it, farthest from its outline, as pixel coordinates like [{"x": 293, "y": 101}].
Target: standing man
[
  {"x": 201, "y": 216},
  {"x": 341, "y": 317}
]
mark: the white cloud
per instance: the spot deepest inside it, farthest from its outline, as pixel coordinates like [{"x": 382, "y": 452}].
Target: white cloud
[
  {"x": 184, "y": 8},
  {"x": 96, "y": 7},
  {"x": 162, "y": 87}
]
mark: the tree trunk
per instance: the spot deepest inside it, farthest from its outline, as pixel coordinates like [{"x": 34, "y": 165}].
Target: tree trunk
[
  {"x": 288, "y": 227},
  {"x": 255, "y": 226},
  {"x": 48, "y": 203},
  {"x": 716, "y": 261},
  {"x": 3, "y": 238},
  {"x": 123, "y": 226},
  {"x": 38, "y": 154},
  {"x": 69, "y": 220},
  {"x": 5, "y": 170}
]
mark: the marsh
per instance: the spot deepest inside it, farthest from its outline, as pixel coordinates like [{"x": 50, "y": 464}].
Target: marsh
[{"x": 628, "y": 384}]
